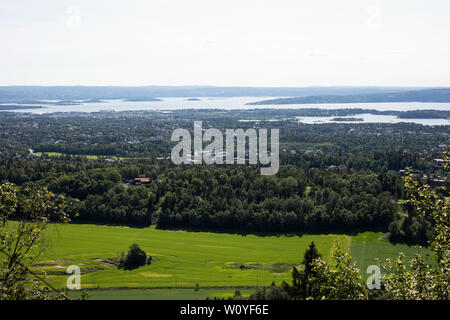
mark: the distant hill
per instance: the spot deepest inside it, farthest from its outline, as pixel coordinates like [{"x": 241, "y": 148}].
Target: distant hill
[
  {"x": 428, "y": 95},
  {"x": 16, "y": 107},
  {"x": 9, "y": 94}
]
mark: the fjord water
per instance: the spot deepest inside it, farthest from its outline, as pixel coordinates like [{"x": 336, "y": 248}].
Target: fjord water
[
  {"x": 235, "y": 103},
  {"x": 373, "y": 118}
]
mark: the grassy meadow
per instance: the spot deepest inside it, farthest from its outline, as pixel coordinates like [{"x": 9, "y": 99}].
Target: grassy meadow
[
  {"x": 160, "y": 294},
  {"x": 218, "y": 262}
]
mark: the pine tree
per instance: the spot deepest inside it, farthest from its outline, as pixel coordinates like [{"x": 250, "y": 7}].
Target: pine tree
[
  {"x": 308, "y": 273},
  {"x": 311, "y": 254},
  {"x": 302, "y": 285}
]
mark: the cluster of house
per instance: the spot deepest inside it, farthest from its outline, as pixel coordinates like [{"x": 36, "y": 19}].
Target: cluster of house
[
  {"x": 141, "y": 181},
  {"x": 434, "y": 179}
]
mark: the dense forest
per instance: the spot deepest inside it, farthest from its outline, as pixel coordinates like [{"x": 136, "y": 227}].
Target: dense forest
[{"x": 333, "y": 177}]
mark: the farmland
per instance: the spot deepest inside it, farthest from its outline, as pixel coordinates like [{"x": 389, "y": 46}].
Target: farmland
[
  {"x": 217, "y": 262},
  {"x": 160, "y": 294}
]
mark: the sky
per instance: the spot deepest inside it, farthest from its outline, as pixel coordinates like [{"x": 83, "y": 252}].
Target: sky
[{"x": 225, "y": 43}]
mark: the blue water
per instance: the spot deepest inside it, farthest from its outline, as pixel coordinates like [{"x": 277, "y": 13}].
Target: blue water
[{"x": 240, "y": 103}]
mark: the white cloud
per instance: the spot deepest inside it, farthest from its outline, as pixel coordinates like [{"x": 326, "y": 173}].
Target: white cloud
[{"x": 266, "y": 43}]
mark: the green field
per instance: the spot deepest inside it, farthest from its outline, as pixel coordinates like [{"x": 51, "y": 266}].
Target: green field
[
  {"x": 183, "y": 259},
  {"x": 87, "y": 156},
  {"x": 159, "y": 294},
  {"x": 366, "y": 247}
]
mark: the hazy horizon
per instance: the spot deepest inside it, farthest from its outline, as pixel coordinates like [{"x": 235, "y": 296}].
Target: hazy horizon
[
  {"x": 232, "y": 86},
  {"x": 418, "y": 87},
  {"x": 282, "y": 43}
]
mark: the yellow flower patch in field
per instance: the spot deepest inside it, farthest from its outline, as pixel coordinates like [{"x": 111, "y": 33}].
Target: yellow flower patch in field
[{"x": 156, "y": 275}]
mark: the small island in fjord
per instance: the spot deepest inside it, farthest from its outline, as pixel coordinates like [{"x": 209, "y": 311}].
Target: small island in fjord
[{"x": 341, "y": 119}]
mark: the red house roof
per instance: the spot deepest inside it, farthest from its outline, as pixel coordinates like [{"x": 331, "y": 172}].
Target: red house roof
[{"x": 143, "y": 180}]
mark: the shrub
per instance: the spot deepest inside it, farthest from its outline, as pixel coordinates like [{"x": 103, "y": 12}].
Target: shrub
[{"x": 135, "y": 258}]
